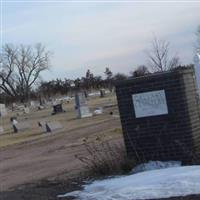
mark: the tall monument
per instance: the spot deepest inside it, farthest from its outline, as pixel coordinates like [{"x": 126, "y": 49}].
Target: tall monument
[{"x": 81, "y": 106}]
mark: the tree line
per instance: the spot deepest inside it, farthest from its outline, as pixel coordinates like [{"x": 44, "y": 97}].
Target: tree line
[
  {"x": 21, "y": 67},
  {"x": 87, "y": 83},
  {"x": 20, "y": 80}
]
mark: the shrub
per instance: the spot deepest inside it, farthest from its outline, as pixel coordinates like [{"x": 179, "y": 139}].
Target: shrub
[{"x": 105, "y": 158}]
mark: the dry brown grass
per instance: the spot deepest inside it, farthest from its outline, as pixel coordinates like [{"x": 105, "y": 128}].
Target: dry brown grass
[
  {"x": 105, "y": 156},
  {"x": 68, "y": 120}
]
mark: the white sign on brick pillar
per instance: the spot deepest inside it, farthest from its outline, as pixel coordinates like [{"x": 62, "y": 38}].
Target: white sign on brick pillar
[
  {"x": 150, "y": 103},
  {"x": 197, "y": 69}
]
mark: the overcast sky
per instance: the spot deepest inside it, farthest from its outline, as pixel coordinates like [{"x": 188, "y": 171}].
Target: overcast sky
[{"x": 95, "y": 35}]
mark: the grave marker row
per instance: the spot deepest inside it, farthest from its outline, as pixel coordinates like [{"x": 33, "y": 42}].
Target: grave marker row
[
  {"x": 50, "y": 126},
  {"x": 47, "y": 126}
]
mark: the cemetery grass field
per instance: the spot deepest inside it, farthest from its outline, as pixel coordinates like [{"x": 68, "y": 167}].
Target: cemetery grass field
[
  {"x": 32, "y": 156},
  {"x": 67, "y": 119}
]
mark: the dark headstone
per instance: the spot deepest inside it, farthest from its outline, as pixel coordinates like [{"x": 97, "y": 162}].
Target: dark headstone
[{"x": 57, "y": 109}]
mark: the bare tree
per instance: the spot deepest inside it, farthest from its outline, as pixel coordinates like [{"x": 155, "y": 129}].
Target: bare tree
[
  {"x": 159, "y": 56},
  {"x": 108, "y": 73},
  {"x": 141, "y": 70},
  {"x": 109, "y": 78},
  {"x": 8, "y": 79},
  {"x": 21, "y": 67}
]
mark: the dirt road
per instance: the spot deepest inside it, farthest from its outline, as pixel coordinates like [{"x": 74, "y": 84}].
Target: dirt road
[{"x": 46, "y": 157}]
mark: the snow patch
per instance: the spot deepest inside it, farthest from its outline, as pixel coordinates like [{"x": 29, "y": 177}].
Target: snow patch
[
  {"x": 152, "y": 165},
  {"x": 155, "y": 184},
  {"x": 98, "y": 111}
]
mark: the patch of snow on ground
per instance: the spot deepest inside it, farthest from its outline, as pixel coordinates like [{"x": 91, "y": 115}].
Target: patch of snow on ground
[
  {"x": 98, "y": 111},
  {"x": 94, "y": 94},
  {"x": 152, "y": 165},
  {"x": 155, "y": 184}
]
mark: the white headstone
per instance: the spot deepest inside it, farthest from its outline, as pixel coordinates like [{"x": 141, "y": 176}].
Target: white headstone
[
  {"x": 41, "y": 107},
  {"x": 32, "y": 104},
  {"x": 26, "y": 110},
  {"x": 83, "y": 112},
  {"x": 14, "y": 104},
  {"x": 3, "y": 111},
  {"x": 197, "y": 69},
  {"x": 53, "y": 126},
  {"x": 22, "y": 126}
]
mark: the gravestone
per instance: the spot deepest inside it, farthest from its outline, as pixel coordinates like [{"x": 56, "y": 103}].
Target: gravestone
[
  {"x": 102, "y": 93},
  {"x": 84, "y": 111},
  {"x": 80, "y": 100},
  {"x": 86, "y": 94},
  {"x": 1, "y": 130},
  {"x": 21, "y": 126},
  {"x": 3, "y": 111},
  {"x": 41, "y": 107},
  {"x": 43, "y": 125},
  {"x": 81, "y": 106},
  {"x": 53, "y": 126},
  {"x": 160, "y": 115},
  {"x": 14, "y": 105},
  {"x": 33, "y": 104},
  {"x": 57, "y": 109},
  {"x": 20, "y": 107},
  {"x": 26, "y": 110}
]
